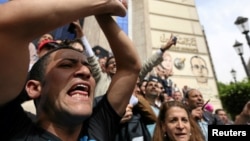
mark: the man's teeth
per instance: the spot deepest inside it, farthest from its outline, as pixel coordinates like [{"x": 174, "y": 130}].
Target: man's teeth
[
  {"x": 81, "y": 85},
  {"x": 79, "y": 95}
]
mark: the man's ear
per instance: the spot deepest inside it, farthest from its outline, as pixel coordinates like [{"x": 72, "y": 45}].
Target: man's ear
[{"x": 33, "y": 88}]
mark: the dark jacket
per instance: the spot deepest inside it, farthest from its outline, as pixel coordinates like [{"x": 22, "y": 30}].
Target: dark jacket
[{"x": 212, "y": 119}]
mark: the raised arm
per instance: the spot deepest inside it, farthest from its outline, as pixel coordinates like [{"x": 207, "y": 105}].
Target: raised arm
[
  {"x": 127, "y": 62},
  {"x": 155, "y": 59},
  {"x": 92, "y": 59},
  {"x": 21, "y": 21}
]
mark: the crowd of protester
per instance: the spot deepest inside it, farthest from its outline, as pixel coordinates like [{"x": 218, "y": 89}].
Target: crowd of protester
[{"x": 78, "y": 95}]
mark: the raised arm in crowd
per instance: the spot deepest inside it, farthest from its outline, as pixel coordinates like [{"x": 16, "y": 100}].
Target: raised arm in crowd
[{"x": 61, "y": 82}]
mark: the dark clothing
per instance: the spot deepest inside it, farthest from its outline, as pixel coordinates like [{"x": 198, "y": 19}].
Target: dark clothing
[
  {"x": 212, "y": 119},
  {"x": 17, "y": 126},
  {"x": 103, "y": 123},
  {"x": 134, "y": 129},
  {"x": 167, "y": 84}
]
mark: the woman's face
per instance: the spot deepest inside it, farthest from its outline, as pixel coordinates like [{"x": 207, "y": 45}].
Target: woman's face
[
  {"x": 177, "y": 125},
  {"x": 143, "y": 86}
]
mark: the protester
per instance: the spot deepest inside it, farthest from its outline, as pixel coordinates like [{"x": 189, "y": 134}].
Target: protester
[
  {"x": 195, "y": 102},
  {"x": 222, "y": 114},
  {"x": 152, "y": 92},
  {"x": 103, "y": 78},
  {"x": 45, "y": 46},
  {"x": 138, "y": 115},
  {"x": 177, "y": 95},
  {"x": 175, "y": 123},
  {"x": 61, "y": 81}
]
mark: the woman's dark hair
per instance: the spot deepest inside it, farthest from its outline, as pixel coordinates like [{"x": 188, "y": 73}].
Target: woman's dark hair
[{"x": 107, "y": 62}]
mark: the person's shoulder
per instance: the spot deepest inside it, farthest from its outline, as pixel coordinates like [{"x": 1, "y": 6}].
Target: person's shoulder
[
  {"x": 98, "y": 99},
  {"x": 208, "y": 114},
  {"x": 212, "y": 119}
]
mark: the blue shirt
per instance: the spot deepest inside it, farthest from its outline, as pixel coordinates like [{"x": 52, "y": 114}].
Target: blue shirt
[{"x": 204, "y": 128}]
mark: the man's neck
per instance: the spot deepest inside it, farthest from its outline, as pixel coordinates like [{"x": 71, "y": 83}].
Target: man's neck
[
  {"x": 65, "y": 133},
  {"x": 151, "y": 101}
]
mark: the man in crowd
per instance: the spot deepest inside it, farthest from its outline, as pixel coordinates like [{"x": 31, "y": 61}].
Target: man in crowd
[
  {"x": 195, "y": 102},
  {"x": 61, "y": 82},
  {"x": 222, "y": 114},
  {"x": 177, "y": 95}
]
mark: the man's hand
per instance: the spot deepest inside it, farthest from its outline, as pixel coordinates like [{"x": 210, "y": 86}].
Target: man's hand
[
  {"x": 125, "y": 3},
  {"x": 118, "y": 7},
  {"x": 169, "y": 43},
  {"x": 128, "y": 114},
  {"x": 78, "y": 29},
  {"x": 197, "y": 113}
]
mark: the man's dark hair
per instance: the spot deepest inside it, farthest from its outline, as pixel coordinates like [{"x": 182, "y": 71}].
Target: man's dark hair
[
  {"x": 188, "y": 92},
  {"x": 68, "y": 42},
  {"x": 217, "y": 111},
  {"x": 37, "y": 71},
  {"x": 158, "y": 80},
  {"x": 154, "y": 79}
]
